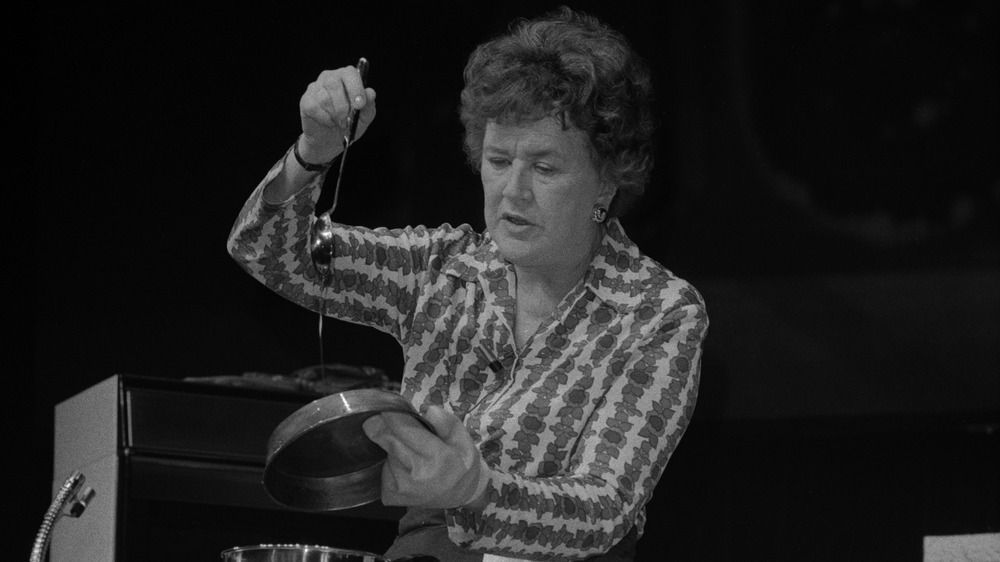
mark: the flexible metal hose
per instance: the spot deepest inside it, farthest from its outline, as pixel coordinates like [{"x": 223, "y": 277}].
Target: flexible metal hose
[{"x": 66, "y": 494}]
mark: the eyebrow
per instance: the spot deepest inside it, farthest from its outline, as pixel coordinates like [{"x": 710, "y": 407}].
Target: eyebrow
[{"x": 531, "y": 153}]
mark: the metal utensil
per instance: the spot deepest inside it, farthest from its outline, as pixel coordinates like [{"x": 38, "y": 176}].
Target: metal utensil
[
  {"x": 297, "y": 553},
  {"x": 309, "y": 553},
  {"x": 320, "y": 459},
  {"x": 321, "y": 239}
]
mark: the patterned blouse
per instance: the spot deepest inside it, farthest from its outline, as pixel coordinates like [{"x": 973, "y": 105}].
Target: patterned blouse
[{"x": 577, "y": 426}]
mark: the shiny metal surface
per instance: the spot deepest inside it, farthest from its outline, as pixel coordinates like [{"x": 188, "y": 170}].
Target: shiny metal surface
[
  {"x": 310, "y": 553},
  {"x": 319, "y": 458},
  {"x": 63, "y": 504},
  {"x": 321, "y": 246},
  {"x": 297, "y": 553}
]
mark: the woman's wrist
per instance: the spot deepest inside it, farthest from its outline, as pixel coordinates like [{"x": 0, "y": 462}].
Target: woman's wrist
[
  {"x": 313, "y": 157},
  {"x": 479, "y": 504},
  {"x": 481, "y": 494},
  {"x": 290, "y": 180}
]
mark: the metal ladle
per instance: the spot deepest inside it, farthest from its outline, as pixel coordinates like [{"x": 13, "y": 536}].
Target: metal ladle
[
  {"x": 321, "y": 237},
  {"x": 321, "y": 247}
]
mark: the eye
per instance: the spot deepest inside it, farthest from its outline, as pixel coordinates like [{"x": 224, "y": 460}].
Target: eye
[
  {"x": 543, "y": 168},
  {"x": 498, "y": 162}
]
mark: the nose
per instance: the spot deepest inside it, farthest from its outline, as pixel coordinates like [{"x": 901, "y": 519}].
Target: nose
[{"x": 518, "y": 182}]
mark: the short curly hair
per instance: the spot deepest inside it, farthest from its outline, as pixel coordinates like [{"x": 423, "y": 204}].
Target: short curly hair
[{"x": 572, "y": 66}]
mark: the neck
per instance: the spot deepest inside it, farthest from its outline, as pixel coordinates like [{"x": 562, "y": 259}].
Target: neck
[{"x": 545, "y": 286}]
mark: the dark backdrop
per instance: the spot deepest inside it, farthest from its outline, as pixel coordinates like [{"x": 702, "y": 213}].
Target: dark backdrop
[{"x": 827, "y": 177}]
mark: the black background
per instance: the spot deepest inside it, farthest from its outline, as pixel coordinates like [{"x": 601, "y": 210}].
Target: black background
[{"x": 826, "y": 176}]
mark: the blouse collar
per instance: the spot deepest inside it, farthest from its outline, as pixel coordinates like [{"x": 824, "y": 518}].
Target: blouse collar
[{"x": 615, "y": 275}]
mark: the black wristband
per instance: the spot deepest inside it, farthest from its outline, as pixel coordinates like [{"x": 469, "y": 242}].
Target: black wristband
[{"x": 308, "y": 167}]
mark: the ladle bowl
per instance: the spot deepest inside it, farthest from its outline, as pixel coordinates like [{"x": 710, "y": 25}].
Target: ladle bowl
[{"x": 321, "y": 245}]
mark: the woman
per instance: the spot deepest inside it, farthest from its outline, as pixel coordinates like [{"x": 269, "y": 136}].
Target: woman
[{"x": 558, "y": 365}]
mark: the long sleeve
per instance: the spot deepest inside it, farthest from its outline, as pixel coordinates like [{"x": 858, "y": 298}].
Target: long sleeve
[
  {"x": 270, "y": 241},
  {"x": 377, "y": 274}
]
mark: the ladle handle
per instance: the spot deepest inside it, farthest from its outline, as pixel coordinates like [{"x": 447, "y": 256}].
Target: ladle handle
[
  {"x": 352, "y": 120},
  {"x": 349, "y": 133}
]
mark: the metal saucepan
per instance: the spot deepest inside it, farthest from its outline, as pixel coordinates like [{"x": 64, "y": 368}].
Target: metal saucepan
[
  {"x": 319, "y": 458},
  {"x": 306, "y": 553}
]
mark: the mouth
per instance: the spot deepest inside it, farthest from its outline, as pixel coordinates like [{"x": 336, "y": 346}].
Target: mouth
[{"x": 516, "y": 220}]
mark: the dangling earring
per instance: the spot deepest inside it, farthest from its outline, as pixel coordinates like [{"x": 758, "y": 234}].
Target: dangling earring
[{"x": 599, "y": 213}]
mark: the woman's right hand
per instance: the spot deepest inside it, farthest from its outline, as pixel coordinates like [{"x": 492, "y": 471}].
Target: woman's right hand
[{"x": 324, "y": 110}]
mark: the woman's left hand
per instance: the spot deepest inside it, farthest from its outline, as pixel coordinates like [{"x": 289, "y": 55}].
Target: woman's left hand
[{"x": 427, "y": 470}]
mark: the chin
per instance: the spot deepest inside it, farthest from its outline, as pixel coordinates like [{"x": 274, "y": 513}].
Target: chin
[{"x": 514, "y": 251}]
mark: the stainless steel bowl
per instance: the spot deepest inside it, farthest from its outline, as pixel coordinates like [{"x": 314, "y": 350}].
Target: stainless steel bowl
[
  {"x": 309, "y": 553},
  {"x": 319, "y": 458},
  {"x": 297, "y": 553}
]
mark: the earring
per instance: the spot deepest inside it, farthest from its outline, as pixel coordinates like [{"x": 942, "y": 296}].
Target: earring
[{"x": 599, "y": 213}]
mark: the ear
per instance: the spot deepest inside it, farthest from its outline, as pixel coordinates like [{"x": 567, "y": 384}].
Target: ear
[{"x": 607, "y": 193}]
